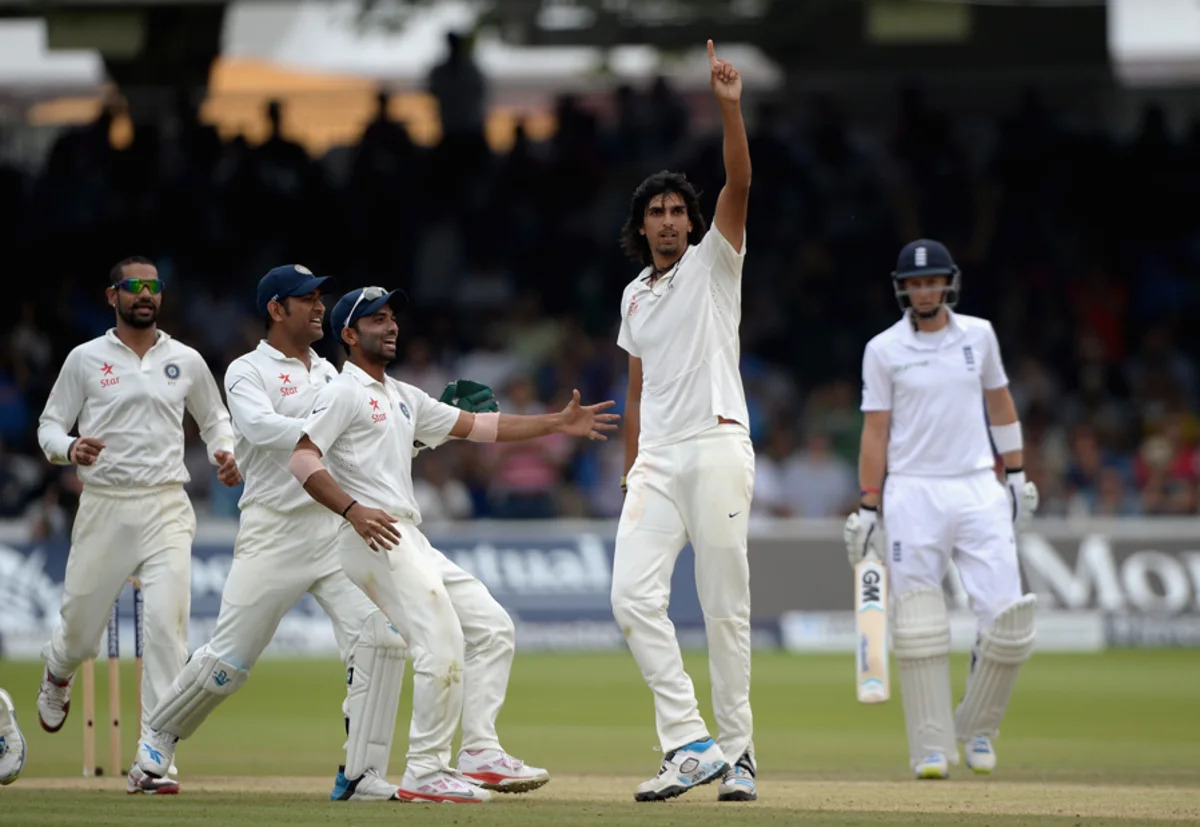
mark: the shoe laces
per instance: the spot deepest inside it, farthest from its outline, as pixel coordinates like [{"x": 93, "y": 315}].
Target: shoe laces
[
  {"x": 980, "y": 743},
  {"x": 743, "y": 767},
  {"x": 54, "y": 691}
]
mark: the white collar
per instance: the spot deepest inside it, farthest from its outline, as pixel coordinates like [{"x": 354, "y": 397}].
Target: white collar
[
  {"x": 953, "y": 330},
  {"x": 360, "y": 375}
]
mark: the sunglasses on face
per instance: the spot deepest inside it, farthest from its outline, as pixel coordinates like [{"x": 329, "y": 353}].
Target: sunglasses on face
[
  {"x": 369, "y": 294},
  {"x": 136, "y": 286}
]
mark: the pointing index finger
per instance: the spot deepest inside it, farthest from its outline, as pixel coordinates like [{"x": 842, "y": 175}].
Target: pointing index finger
[{"x": 712, "y": 54}]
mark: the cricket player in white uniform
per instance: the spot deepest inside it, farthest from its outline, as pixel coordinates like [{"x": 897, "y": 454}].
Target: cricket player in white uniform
[
  {"x": 365, "y": 424},
  {"x": 689, "y": 461},
  {"x": 12, "y": 742},
  {"x": 928, "y": 381},
  {"x": 286, "y": 546},
  {"x": 128, "y": 390}
]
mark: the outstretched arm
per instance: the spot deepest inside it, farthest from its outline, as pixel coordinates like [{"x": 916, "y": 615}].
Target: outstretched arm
[
  {"x": 573, "y": 420},
  {"x": 734, "y": 199}
]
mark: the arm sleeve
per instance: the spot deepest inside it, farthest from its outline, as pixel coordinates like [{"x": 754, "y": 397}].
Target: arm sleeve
[
  {"x": 719, "y": 255},
  {"x": 992, "y": 371},
  {"x": 432, "y": 420},
  {"x": 332, "y": 414},
  {"x": 253, "y": 414},
  {"x": 205, "y": 405},
  {"x": 877, "y": 382},
  {"x": 62, "y": 410}
]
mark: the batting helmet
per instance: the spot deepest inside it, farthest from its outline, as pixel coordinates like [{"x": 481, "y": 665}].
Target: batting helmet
[{"x": 926, "y": 257}]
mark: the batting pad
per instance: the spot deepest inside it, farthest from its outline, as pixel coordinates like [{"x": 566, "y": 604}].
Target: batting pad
[
  {"x": 1002, "y": 648},
  {"x": 205, "y": 681},
  {"x": 921, "y": 643},
  {"x": 373, "y": 679}
]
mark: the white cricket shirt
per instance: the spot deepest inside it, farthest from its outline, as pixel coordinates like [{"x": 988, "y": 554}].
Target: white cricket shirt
[
  {"x": 136, "y": 407},
  {"x": 934, "y": 390},
  {"x": 365, "y": 430},
  {"x": 684, "y": 328},
  {"x": 269, "y": 396}
]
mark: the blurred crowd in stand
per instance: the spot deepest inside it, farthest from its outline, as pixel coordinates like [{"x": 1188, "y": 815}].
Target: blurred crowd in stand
[{"x": 1081, "y": 245}]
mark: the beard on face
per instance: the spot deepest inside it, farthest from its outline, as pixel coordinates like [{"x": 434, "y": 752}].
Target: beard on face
[
  {"x": 130, "y": 316},
  {"x": 372, "y": 347}
]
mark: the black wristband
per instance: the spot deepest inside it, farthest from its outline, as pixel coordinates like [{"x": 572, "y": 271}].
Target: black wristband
[
  {"x": 1019, "y": 469},
  {"x": 347, "y": 508},
  {"x": 866, "y": 507}
]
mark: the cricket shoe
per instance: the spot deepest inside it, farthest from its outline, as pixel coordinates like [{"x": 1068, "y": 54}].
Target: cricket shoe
[
  {"x": 369, "y": 786},
  {"x": 141, "y": 782},
  {"x": 981, "y": 755},
  {"x": 738, "y": 782},
  {"x": 441, "y": 787},
  {"x": 933, "y": 766},
  {"x": 691, "y": 765},
  {"x": 12, "y": 742},
  {"x": 495, "y": 769},
  {"x": 53, "y": 702},
  {"x": 156, "y": 754}
]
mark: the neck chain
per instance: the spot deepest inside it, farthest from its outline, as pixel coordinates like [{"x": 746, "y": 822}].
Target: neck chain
[{"x": 657, "y": 275}]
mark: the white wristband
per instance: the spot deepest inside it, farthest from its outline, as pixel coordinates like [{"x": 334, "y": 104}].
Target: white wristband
[{"x": 1007, "y": 438}]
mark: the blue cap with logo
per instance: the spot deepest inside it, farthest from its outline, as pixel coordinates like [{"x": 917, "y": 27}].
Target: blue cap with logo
[
  {"x": 286, "y": 280},
  {"x": 363, "y": 302}
]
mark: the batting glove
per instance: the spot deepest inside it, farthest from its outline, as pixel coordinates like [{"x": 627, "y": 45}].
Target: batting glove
[
  {"x": 473, "y": 397},
  {"x": 1023, "y": 496},
  {"x": 863, "y": 535}
]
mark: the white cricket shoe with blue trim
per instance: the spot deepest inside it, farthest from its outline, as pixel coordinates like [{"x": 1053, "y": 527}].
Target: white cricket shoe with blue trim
[
  {"x": 12, "y": 742},
  {"x": 691, "y": 765},
  {"x": 738, "y": 782},
  {"x": 933, "y": 767},
  {"x": 980, "y": 754},
  {"x": 369, "y": 786}
]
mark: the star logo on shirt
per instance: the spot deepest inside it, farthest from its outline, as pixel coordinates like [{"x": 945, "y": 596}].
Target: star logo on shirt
[
  {"x": 374, "y": 404},
  {"x": 285, "y": 378},
  {"x": 107, "y": 369}
]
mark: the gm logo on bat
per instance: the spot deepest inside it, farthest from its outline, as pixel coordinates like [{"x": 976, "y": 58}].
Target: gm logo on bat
[{"x": 869, "y": 585}]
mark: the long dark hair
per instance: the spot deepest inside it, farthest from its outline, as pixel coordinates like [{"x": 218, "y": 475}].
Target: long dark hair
[{"x": 637, "y": 246}]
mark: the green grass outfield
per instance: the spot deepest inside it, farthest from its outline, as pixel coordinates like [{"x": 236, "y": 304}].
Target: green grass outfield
[{"x": 1103, "y": 739}]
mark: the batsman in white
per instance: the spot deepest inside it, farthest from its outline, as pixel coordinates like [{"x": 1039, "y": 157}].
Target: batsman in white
[
  {"x": 12, "y": 742},
  {"x": 285, "y": 547},
  {"x": 928, "y": 381},
  {"x": 128, "y": 390},
  {"x": 365, "y": 424},
  {"x": 689, "y": 460}
]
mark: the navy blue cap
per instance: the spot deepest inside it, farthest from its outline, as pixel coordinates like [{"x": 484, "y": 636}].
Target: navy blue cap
[
  {"x": 286, "y": 280},
  {"x": 341, "y": 316},
  {"x": 924, "y": 257}
]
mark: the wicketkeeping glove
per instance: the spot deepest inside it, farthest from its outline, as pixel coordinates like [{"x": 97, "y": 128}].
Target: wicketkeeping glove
[
  {"x": 863, "y": 535},
  {"x": 472, "y": 397},
  {"x": 1023, "y": 497}
]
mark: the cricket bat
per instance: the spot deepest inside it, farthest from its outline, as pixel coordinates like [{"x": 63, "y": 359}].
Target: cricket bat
[{"x": 870, "y": 624}]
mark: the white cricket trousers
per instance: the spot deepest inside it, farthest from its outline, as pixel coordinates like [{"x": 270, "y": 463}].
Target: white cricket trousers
[
  {"x": 698, "y": 490},
  {"x": 119, "y": 533},
  {"x": 930, "y": 521},
  {"x": 277, "y": 557},
  {"x": 462, "y": 641}
]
